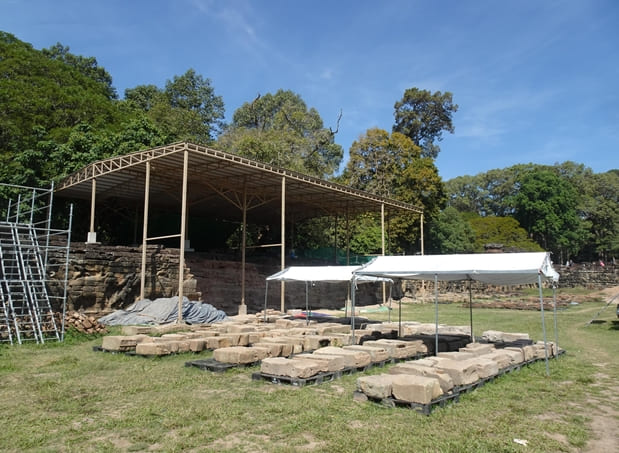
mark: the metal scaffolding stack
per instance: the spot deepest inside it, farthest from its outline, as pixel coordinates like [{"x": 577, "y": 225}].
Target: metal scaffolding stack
[{"x": 34, "y": 262}]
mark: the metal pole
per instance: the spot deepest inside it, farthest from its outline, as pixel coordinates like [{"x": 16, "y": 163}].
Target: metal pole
[
  {"x": 66, "y": 272},
  {"x": 436, "y": 314},
  {"x": 541, "y": 303},
  {"x": 352, "y": 310},
  {"x": 422, "y": 247},
  {"x": 554, "y": 298},
  {"x": 243, "y": 308},
  {"x": 181, "y": 264},
  {"x": 382, "y": 244},
  {"x": 283, "y": 244},
  {"x": 93, "y": 195},
  {"x": 471, "y": 311},
  {"x": 145, "y": 230},
  {"x": 307, "y": 313},
  {"x": 266, "y": 293}
]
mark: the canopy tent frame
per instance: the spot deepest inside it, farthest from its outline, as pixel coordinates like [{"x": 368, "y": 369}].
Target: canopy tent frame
[
  {"x": 493, "y": 268},
  {"x": 314, "y": 274}
]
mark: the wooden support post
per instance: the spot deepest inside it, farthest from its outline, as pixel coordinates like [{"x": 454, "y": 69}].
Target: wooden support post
[
  {"x": 181, "y": 264},
  {"x": 145, "y": 230},
  {"x": 283, "y": 244}
]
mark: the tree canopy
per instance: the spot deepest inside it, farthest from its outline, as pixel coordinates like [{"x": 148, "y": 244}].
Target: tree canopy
[
  {"x": 279, "y": 129},
  {"x": 423, "y": 116}
]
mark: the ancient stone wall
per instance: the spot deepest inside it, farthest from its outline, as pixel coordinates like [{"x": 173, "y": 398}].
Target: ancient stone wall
[{"x": 102, "y": 279}]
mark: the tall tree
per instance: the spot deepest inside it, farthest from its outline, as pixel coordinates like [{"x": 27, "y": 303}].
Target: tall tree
[
  {"x": 449, "y": 232},
  {"x": 187, "y": 109},
  {"x": 546, "y": 206},
  {"x": 392, "y": 165},
  {"x": 423, "y": 116},
  {"x": 279, "y": 129}
]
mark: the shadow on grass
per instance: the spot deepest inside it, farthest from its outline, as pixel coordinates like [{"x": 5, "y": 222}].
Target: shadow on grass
[{"x": 615, "y": 325}]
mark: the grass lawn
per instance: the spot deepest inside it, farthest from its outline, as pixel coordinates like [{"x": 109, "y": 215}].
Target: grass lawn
[{"x": 65, "y": 397}]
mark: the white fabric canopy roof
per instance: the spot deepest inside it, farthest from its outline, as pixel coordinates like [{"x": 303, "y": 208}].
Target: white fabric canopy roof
[
  {"x": 330, "y": 274},
  {"x": 492, "y": 268}
]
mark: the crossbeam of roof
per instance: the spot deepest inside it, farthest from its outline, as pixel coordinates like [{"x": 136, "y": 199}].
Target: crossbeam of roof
[{"x": 122, "y": 178}]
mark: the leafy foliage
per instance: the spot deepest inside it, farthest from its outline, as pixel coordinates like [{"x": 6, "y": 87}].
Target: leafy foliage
[
  {"x": 279, "y": 129},
  {"x": 500, "y": 230},
  {"x": 423, "y": 116},
  {"x": 449, "y": 232}
]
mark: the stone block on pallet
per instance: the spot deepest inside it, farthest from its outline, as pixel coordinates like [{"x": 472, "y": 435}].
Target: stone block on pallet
[
  {"x": 274, "y": 349},
  {"x": 136, "y": 330},
  {"x": 122, "y": 343},
  {"x": 197, "y": 344},
  {"x": 485, "y": 367},
  {"x": 178, "y": 346},
  {"x": 456, "y": 355},
  {"x": 502, "y": 358},
  {"x": 516, "y": 354},
  {"x": 214, "y": 343},
  {"x": 299, "y": 368},
  {"x": 462, "y": 372},
  {"x": 240, "y": 354},
  {"x": 444, "y": 379},
  {"x": 415, "y": 389},
  {"x": 330, "y": 362},
  {"x": 313, "y": 342},
  {"x": 496, "y": 336},
  {"x": 399, "y": 349},
  {"x": 153, "y": 348},
  {"x": 478, "y": 349},
  {"x": 331, "y": 328},
  {"x": 377, "y": 354},
  {"x": 354, "y": 359},
  {"x": 377, "y": 386}
]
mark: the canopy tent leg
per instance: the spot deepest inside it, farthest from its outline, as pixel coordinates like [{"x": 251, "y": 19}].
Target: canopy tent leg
[
  {"x": 471, "y": 311},
  {"x": 307, "y": 313},
  {"x": 266, "y": 294},
  {"x": 92, "y": 235},
  {"x": 554, "y": 300},
  {"x": 242, "y": 306},
  {"x": 283, "y": 245},
  {"x": 541, "y": 303},
  {"x": 352, "y": 310},
  {"x": 436, "y": 314}
]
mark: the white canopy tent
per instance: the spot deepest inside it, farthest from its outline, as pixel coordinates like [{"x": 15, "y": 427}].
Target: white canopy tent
[
  {"x": 492, "y": 268},
  {"x": 310, "y": 274}
]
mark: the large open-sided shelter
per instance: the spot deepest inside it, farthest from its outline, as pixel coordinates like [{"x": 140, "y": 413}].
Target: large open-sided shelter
[
  {"x": 196, "y": 179},
  {"x": 492, "y": 268}
]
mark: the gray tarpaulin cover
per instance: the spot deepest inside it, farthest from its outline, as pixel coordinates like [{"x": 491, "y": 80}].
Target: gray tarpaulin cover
[{"x": 162, "y": 311}]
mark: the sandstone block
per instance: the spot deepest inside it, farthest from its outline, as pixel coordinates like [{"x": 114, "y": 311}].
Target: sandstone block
[
  {"x": 352, "y": 358},
  {"x": 444, "y": 379},
  {"x": 516, "y": 354},
  {"x": 122, "y": 342},
  {"x": 240, "y": 354},
  {"x": 330, "y": 362},
  {"x": 415, "y": 389},
  {"x": 498, "y": 336},
  {"x": 377, "y": 354},
  {"x": 274, "y": 349},
  {"x": 256, "y": 337},
  {"x": 485, "y": 367},
  {"x": 136, "y": 330},
  {"x": 377, "y": 386},
  {"x": 399, "y": 349},
  {"x": 329, "y": 328},
  {"x": 462, "y": 372},
  {"x": 456, "y": 355},
  {"x": 502, "y": 359},
  {"x": 478, "y": 349},
  {"x": 197, "y": 344},
  {"x": 298, "y": 368},
  {"x": 315, "y": 341},
  {"x": 237, "y": 339},
  {"x": 152, "y": 348},
  {"x": 215, "y": 343}
]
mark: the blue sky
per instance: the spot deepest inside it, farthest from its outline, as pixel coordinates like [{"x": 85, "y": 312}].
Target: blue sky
[{"x": 536, "y": 81}]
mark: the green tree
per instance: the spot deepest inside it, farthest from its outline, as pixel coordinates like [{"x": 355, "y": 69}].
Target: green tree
[
  {"x": 423, "y": 116},
  {"x": 187, "y": 109},
  {"x": 391, "y": 165},
  {"x": 449, "y": 232},
  {"x": 500, "y": 230},
  {"x": 546, "y": 206},
  {"x": 279, "y": 129}
]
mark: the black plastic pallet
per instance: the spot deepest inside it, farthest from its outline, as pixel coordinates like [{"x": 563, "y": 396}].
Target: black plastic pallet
[
  {"x": 300, "y": 382},
  {"x": 216, "y": 366},
  {"x": 425, "y": 409}
]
